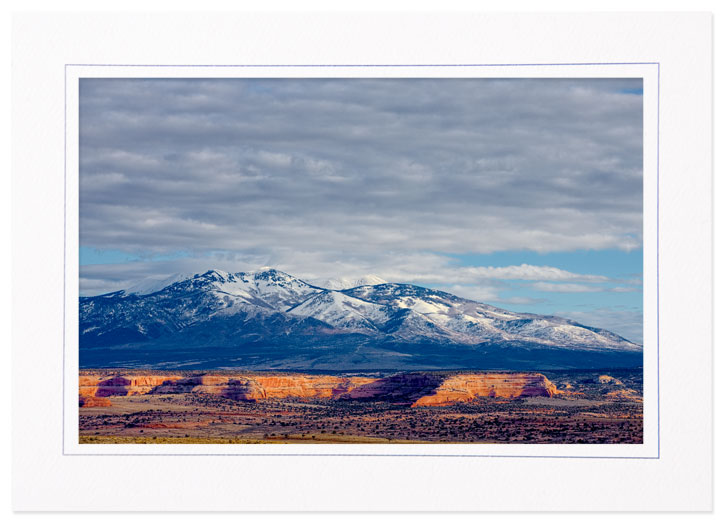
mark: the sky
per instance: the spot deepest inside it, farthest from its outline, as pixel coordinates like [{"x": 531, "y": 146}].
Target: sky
[{"x": 521, "y": 193}]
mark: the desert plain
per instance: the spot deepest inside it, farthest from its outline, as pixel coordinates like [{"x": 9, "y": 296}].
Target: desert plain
[{"x": 157, "y": 406}]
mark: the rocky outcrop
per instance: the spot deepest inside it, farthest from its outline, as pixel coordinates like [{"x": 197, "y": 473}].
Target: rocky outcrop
[
  {"x": 609, "y": 380},
  {"x": 238, "y": 387},
  {"x": 411, "y": 389},
  {"x": 309, "y": 386},
  {"x": 463, "y": 388},
  {"x": 624, "y": 394},
  {"x": 120, "y": 385},
  {"x": 257, "y": 387}
]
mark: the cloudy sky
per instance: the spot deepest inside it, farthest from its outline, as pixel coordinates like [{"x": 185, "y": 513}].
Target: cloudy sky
[{"x": 522, "y": 193}]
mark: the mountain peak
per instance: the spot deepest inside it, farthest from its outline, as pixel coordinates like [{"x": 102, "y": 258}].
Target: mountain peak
[
  {"x": 272, "y": 274},
  {"x": 215, "y": 273},
  {"x": 213, "y": 276}
]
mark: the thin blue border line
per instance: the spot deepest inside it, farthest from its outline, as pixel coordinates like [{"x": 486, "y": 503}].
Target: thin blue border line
[
  {"x": 65, "y": 132},
  {"x": 65, "y": 226},
  {"x": 385, "y": 455},
  {"x": 658, "y": 261},
  {"x": 368, "y": 65}
]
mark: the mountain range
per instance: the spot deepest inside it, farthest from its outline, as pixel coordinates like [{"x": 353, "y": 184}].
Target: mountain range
[{"x": 272, "y": 320}]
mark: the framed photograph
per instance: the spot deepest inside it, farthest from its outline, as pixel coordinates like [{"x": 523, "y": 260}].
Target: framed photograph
[
  {"x": 296, "y": 260},
  {"x": 362, "y": 313}
]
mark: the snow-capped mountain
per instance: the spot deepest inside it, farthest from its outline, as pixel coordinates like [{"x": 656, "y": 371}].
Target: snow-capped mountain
[
  {"x": 471, "y": 322},
  {"x": 286, "y": 322},
  {"x": 267, "y": 289},
  {"x": 344, "y": 283}
]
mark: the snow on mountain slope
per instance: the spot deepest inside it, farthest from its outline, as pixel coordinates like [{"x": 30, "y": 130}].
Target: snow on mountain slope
[
  {"x": 223, "y": 307},
  {"x": 343, "y": 283},
  {"x": 559, "y": 331},
  {"x": 269, "y": 288},
  {"x": 343, "y": 311},
  {"x": 400, "y": 320},
  {"x": 470, "y": 322},
  {"x": 202, "y": 298}
]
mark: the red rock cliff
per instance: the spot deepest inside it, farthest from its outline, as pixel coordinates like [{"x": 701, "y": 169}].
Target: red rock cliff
[
  {"x": 462, "y": 388},
  {"x": 247, "y": 387},
  {"x": 414, "y": 389},
  {"x": 126, "y": 385}
]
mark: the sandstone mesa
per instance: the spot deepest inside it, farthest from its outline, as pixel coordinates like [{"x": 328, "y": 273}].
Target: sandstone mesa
[{"x": 412, "y": 389}]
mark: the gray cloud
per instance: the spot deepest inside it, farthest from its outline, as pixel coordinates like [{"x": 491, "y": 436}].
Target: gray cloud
[{"x": 361, "y": 172}]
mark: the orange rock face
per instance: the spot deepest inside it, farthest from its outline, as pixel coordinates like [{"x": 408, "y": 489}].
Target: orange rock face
[
  {"x": 462, "y": 388},
  {"x": 255, "y": 387},
  {"x": 604, "y": 379},
  {"x": 413, "y": 389},
  {"x": 131, "y": 385},
  {"x": 309, "y": 386},
  {"x": 624, "y": 394},
  {"x": 239, "y": 387}
]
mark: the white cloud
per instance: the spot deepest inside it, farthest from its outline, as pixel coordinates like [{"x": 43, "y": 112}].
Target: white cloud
[
  {"x": 624, "y": 289},
  {"x": 530, "y": 272},
  {"x": 565, "y": 287},
  {"x": 485, "y": 294}
]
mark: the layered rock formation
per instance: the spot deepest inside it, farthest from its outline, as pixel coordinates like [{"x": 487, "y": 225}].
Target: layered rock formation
[
  {"x": 257, "y": 387},
  {"x": 463, "y": 388},
  {"x": 238, "y": 387},
  {"x": 116, "y": 385},
  {"x": 411, "y": 389}
]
